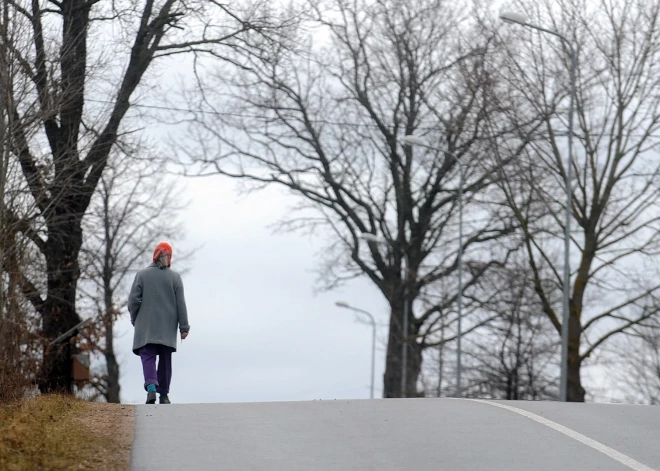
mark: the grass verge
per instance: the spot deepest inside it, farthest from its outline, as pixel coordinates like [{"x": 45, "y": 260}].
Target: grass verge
[{"x": 54, "y": 432}]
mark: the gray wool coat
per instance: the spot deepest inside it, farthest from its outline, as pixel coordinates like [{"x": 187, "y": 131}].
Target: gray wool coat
[{"x": 158, "y": 306}]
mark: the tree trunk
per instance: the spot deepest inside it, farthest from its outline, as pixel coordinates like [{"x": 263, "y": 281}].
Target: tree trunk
[
  {"x": 516, "y": 384},
  {"x": 414, "y": 367},
  {"x": 393, "y": 360},
  {"x": 441, "y": 359},
  {"x": 112, "y": 394},
  {"x": 392, "y": 375},
  {"x": 112, "y": 378},
  {"x": 59, "y": 309},
  {"x": 574, "y": 390}
]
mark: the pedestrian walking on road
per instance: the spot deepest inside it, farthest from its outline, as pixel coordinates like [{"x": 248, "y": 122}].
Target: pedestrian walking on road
[{"x": 158, "y": 306}]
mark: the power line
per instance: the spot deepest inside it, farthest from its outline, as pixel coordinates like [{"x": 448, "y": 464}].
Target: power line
[
  {"x": 237, "y": 115},
  {"x": 318, "y": 121}
]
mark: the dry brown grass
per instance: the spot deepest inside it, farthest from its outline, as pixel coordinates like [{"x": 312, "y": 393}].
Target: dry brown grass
[{"x": 62, "y": 433}]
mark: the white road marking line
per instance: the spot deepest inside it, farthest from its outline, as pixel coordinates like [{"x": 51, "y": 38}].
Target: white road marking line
[{"x": 604, "y": 449}]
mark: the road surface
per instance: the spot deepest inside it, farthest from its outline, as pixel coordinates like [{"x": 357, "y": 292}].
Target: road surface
[{"x": 396, "y": 435}]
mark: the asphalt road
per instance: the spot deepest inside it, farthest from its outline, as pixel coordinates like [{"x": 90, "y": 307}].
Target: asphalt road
[{"x": 396, "y": 434}]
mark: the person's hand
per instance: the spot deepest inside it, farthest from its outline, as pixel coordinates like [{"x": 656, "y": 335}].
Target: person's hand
[{"x": 184, "y": 335}]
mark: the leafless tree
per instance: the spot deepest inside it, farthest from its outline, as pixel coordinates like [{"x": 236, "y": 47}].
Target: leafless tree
[
  {"x": 614, "y": 235},
  {"x": 636, "y": 364},
  {"x": 509, "y": 355},
  {"x": 19, "y": 327},
  {"x": 84, "y": 61},
  {"x": 20, "y": 335},
  {"x": 136, "y": 205},
  {"x": 513, "y": 357},
  {"x": 325, "y": 118}
]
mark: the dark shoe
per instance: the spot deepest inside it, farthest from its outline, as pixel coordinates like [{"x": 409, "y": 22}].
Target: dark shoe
[
  {"x": 164, "y": 400},
  {"x": 151, "y": 397}
]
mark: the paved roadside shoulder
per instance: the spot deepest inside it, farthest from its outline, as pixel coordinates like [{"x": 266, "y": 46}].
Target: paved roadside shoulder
[
  {"x": 362, "y": 435},
  {"x": 629, "y": 429}
]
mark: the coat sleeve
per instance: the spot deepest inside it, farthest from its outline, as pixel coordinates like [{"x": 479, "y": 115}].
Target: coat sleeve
[
  {"x": 135, "y": 298},
  {"x": 181, "y": 309}
]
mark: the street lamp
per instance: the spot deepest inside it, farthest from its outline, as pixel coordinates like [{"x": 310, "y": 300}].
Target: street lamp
[
  {"x": 372, "y": 321},
  {"x": 418, "y": 141},
  {"x": 404, "y": 347},
  {"x": 518, "y": 18}
]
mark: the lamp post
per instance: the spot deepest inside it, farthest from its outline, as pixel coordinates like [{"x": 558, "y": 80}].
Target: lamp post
[
  {"x": 418, "y": 141},
  {"x": 518, "y": 18},
  {"x": 372, "y": 321},
  {"x": 404, "y": 347}
]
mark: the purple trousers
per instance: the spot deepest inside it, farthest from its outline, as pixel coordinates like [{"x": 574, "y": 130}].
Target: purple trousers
[{"x": 162, "y": 376}]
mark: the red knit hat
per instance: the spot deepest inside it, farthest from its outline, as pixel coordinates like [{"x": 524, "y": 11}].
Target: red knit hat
[{"x": 163, "y": 247}]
